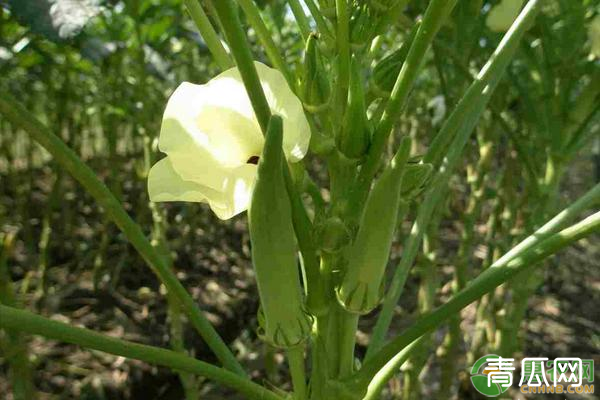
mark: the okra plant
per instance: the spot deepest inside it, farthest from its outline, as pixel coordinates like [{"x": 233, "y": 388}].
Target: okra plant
[{"x": 248, "y": 140}]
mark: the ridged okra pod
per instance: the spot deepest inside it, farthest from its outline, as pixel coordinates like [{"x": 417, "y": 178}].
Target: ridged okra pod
[
  {"x": 353, "y": 139},
  {"x": 284, "y": 321},
  {"x": 360, "y": 288}
]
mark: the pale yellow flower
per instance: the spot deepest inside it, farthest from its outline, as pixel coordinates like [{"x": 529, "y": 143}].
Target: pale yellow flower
[
  {"x": 213, "y": 140},
  {"x": 503, "y": 15}
]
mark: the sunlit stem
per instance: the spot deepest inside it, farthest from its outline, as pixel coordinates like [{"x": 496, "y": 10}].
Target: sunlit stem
[
  {"x": 266, "y": 39},
  {"x": 20, "y": 117},
  {"x": 236, "y": 38},
  {"x": 436, "y": 14},
  {"x": 497, "y": 274},
  {"x": 24, "y": 321},
  {"x": 448, "y": 144},
  {"x": 301, "y": 18},
  {"x": 208, "y": 34}
]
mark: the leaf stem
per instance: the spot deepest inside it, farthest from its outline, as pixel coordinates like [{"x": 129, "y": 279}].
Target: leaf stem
[
  {"x": 452, "y": 139},
  {"x": 319, "y": 20},
  {"x": 25, "y": 321},
  {"x": 20, "y": 117},
  {"x": 387, "y": 372},
  {"x": 436, "y": 14},
  {"x": 497, "y": 274},
  {"x": 343, "y": 48},
  {"x": 236, "y": 38},
  {"x": 208, "y": 34},
  {"x": 301, "y": 18},
  {"x": 266, "y": 38}
]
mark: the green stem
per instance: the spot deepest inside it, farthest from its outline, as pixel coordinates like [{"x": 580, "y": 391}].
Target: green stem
[
  {"x": 348, "y": 324},
  {"x": 20, "y": 117},
  {"x": 301, "y": 18},
  {"x": 495, "y": 66},
  {"x": 243, "y": 57},
  {"x": 297, "y": 371},
  {"x": 14, "y": 348},
  {"x": 25, "y": 321},
  {"x": 455, "y": 131},
  {"x": 319, "y": 20},
  {"x": 236, "y": 38},
  {"x": 209, "y": 34},
  {"x": 343, "y": 48},
  {"x": 436, "y": 14},
  {"x": 319, "y": 374},
  {"x": 589, "y": 199},
  {"x": 266, "y": 38},
  {"x": 500, "y": 272},
  {"x": 387, "y": 372}
]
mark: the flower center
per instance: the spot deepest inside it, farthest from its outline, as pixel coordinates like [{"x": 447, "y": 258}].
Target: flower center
[{"x": 253, "y": 160}]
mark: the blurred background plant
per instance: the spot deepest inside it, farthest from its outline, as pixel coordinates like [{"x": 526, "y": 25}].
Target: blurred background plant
[{"x": 99, "y": 73}]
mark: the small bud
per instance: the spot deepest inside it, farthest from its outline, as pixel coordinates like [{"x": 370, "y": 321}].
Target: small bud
[
  {"x": 354, "y": 136},
  {"x": 387, "y": 70},
  {"x": 360, "y": 289},
  {"x": 315, "y": 86},
  {"x": 285, "y": 321}
]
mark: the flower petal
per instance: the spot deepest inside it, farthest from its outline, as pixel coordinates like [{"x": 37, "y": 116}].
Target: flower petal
[
  {"x": 164, "y": 184},
  {"x": 283, "y": 102},
  {"x": 237, "y": 192},
  {"x": 190, "y": 161},
  {"x": 209, "y": 133}
]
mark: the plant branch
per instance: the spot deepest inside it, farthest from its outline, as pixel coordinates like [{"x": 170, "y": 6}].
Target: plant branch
[
  {"x": 266, "y": 38},
  {"x": 208, "y": 34},
  {"x": 300, "y": 17},
  {"x": 236, "y": 38},
  {"x": 451, "y": 139},
  {"x": 436, "y": 14},
  {"x": 20, "y": 117},
  {"x": 499, "y": 272},
  {"x": 25, "y": 321}
]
